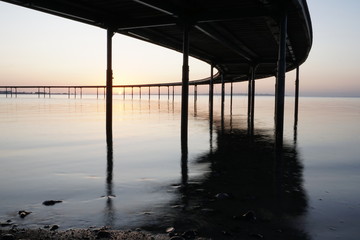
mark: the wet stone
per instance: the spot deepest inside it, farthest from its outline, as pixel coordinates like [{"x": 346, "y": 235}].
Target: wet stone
[
  {"x": 7, "y": 237},
  {"x": 51, "y": 202},
  {"x": 249, "y": 216},
  {"x": 103, "y": 234},
  {"x": 23, "y": 213},
  {"x": 54, "y": 227},
  {"x": 177, "y": 238}
]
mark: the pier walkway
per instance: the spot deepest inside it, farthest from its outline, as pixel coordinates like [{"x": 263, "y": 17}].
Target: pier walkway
[{"x": 243, "y": 39}]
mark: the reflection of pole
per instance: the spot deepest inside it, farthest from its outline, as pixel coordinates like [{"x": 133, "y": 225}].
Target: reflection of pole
[
  {"x": 185, "y": 91},
  {"x": 109, "y": 82},
  {"x": 280, "y": 84},
  {"x": 109, "y": 211}
]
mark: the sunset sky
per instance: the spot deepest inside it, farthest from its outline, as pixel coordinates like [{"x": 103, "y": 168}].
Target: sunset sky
[{"x": 41, "y": 49}]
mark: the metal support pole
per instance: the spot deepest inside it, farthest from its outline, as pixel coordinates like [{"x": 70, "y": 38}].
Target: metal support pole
[
  {"x": 253, "y": 96},
  {"x": 124, "y": 91},
  {"x": 75, "y": 92},
  {"x": 49, "y": 92},
  {"x": 222, "y": 101},
  {"x": 16, "y": 92},
  {"x": 140, "y": 92},
  {"x": 149, "y": 92},
  {"x": 211, "y": 93},
  {"x": 280, "y": 84},
  {"x": 38, "y": 92},
  {"x": 68, "y": 92},
  {"x": 6, "y": 92},
  {"x": 44, "y": 92},
  {"x": 159, "y": 92},
  {"x": 109, "y": 86},
  {"x": 185, "y": 92},
  {"x": 97, "y": 93},
  {"x": 231, "y": 97},
  {"x": 132, "y": 92},
  {"x": 249, "y": 97},
  {"x": 296, "y": 114},
  {"x": 173, "y": 93},
  {"x": 195, "y": 99},
  {"x": 168, "y": 92}
]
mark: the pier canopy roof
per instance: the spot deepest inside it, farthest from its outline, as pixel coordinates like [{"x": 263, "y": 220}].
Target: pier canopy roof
[{"x": 233, "y": 35}]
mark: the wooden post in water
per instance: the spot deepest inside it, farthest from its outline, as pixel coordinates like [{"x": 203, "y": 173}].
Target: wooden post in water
[
  {"x": 97, "y": 93},
  {"x": 185, "y": 92},
  {"x": 49, "y": 92},
  {"x": 296, "y": 114},
  {"x": 149, "y": 92},
  {"x": 280, "y": 84},
  {"x": 159, "y": 92},
  {"x": 140, "y": 92},
  {"x": 211, "y": 93},
  {"x": 38, "y": 92},
  {"x": 109, "y": 86},
  {"x": 231, "y": 98},
  {"x": 6, "y": 92}
]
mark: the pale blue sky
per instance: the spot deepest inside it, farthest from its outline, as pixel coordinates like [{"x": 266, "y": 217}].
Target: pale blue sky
[{"x": 38, "y": 48}]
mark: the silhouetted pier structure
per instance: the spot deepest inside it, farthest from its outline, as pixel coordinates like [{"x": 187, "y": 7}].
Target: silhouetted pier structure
[{"x": 244, "y": 40}]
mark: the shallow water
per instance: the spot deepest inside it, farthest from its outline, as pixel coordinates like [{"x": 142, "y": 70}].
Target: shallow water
[{"x": 56, "y": 149}]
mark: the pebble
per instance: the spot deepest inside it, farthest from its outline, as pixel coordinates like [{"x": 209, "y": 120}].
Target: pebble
[
  {"x": 23, "y": 213},
  {"x": 249, "y": 216},
  {"x": 7, "y": 237},
  {"x": 222, "y": 196},
  {"x": 177, "y": 238},
  {"x": 54, "y": 227},
  {"x": 51, "y": 202},
  {"x": 103, "y": 234},
  {"x": 170, "y": 230},
  {"x": 189, "y": 234}
]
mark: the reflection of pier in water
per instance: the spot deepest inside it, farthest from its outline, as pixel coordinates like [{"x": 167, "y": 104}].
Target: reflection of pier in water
[{"x": 245, "y": 175}]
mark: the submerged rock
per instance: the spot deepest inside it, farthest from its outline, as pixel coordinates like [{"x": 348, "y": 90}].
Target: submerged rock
[
  {"x": 23, "y": 213},
  {"x": 51, "y": 202},
  {"x": 54, "y": 227},
  {"x": 7, "y": 237}
]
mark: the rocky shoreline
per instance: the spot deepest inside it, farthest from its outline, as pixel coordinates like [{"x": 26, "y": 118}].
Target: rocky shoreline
[{"x": 89, "y": 234}]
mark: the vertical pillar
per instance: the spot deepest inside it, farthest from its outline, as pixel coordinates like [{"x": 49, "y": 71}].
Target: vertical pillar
[
  {"x": 75, "y": 92},
  {"x": 109, "y": 83},
  {"x": 149, "y": 93},
  {"x": 296, "y": 98},
  {"x": 168, "y": 88},
  {"x": 68, "y": 92},
  {"x": 185, "y": 92},
  {"x": 124, "y": 91},
  {"x": 253, "y": 95},
  {"x": 132, "y": 92},
  {"x": 16, "y": 92},
  {"x": 173, "y": 93},
  {"x": 97, "y": 93},
  {"x": 195, "y": 99},
  {"x": 159, "y": 92},
  {"x": 280, "y": 84},
  {"x": 211, "y": 93},
  {"x": 140, "y": 92},
  {"x": 222, "y": 103},
  {"x": 81, "y": 92},
  {"x": 49, "y": 92},
  {"x": 231, "y": 98},
  {"x": 296, "y": 108},
  {"x": 6, "y": 92}
]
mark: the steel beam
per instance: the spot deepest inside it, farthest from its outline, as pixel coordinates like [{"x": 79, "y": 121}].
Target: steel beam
[
  {"x": 109, "y": 85},
  {"x": 280, "y": 84},
  {"x": 185, "y": 91}
]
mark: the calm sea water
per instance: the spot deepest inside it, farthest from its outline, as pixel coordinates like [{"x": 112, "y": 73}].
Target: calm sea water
[{"x": 55, "y": 149}]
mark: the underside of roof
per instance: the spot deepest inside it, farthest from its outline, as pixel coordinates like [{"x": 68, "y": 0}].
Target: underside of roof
[{"x": 232, "y": 35}]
